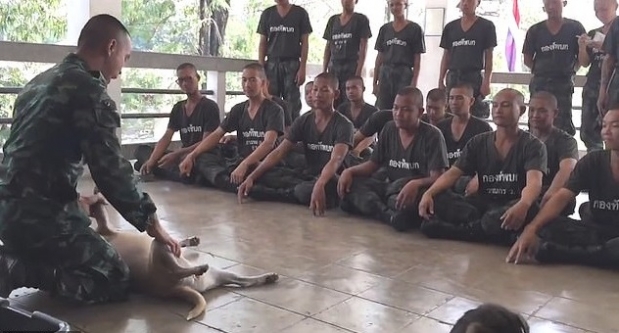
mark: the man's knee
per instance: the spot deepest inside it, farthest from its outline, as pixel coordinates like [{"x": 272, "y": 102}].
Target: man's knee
[
  {"x": 90, "y": 270},
  {"x": 303, "y": 193}
]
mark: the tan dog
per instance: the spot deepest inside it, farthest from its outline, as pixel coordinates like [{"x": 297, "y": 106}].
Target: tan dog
[{"x": 155, "y": 271}]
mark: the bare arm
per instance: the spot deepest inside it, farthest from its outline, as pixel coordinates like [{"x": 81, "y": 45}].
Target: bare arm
[
  {"x": 365, "y": 143},
  {"x": 416, "y": 69},
  {"x": 488, "y": 68},
  {"x": 552, "y": 209},
  {"x": 528, "y": 60},
  {"x": 272, "y": 159},
  {"x": 358, "y": 138},
  {"x": 161, "y": 146},
  {"x": 443, "y": 70},
  {"x": 532, "y": 190},
  {"x": 445, "y": 181},
  {"x": 263, "y": 149},
  {"x": 262, "y": 49},
  {"x": 363, "y": 52},
  {"x": 187, "y": 150},
  {"x": 208, "y": 143},
  {"x": 607, "y": 70},
  {"x": 330, "y": 169},
  {"x": 566, "y": 166},
  {"x": 304, "y": 50},
  {"x": 583, "y": 56},
  {"x": 326, "y": 57},
  {"x": 364, "y": 169},
  {"x": 428, "y": 181},
  {"x": 377, "y": 64}
]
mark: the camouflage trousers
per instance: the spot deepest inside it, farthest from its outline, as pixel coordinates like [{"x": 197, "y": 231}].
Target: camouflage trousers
[
  {"x": 376, "y": 199},
  {"x": 343, "y": 71},
  {"x": 282, "y": 184},
  {"x": 471, "y": 219},
  {"x": 475, "y": 79},
  {"x": 391, "y": 79},
  {"x": 565, "y": 240},
  {"x": 282, "y": 76},
  {"x": 591, "y": 120},
  {"x": 142, "y": 154},
  {"x": 58, "y": 252},
  {"x": 216, "y": 166},
  {"x": 563, "y": 90}
]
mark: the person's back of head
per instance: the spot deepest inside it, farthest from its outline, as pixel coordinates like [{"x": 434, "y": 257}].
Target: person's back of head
[{"x": 490, "y": 318}]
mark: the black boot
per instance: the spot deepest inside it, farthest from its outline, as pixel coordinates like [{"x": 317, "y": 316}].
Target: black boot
[
  {"x": 16, "y": 273},
  {"x": 436, "y": 228}
]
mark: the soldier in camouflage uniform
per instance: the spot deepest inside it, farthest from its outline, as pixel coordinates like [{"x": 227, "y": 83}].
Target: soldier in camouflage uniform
[{"x": 62, "y": 116}]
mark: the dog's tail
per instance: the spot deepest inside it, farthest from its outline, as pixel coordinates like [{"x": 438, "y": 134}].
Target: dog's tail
[{"x": 193, "y": 297}]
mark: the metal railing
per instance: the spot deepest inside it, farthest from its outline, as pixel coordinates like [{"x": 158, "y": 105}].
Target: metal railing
[{"x": 215, "y": 68}]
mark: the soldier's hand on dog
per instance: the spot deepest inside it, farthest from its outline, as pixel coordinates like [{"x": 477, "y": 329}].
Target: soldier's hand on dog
[{"x": 156, "y": 231}]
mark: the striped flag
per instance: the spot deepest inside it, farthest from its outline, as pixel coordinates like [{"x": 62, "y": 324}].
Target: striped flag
[{"x": 511, "y": 49}]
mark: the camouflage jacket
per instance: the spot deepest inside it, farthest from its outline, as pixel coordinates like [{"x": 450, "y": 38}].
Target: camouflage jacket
[{"x": 63, "y": 117}]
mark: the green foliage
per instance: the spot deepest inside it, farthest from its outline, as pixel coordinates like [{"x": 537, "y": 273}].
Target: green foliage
[{"x": 17, "y": 18}]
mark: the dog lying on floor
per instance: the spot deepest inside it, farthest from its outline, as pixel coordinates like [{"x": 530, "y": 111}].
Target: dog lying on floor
[{"x": 155, "y": 271}]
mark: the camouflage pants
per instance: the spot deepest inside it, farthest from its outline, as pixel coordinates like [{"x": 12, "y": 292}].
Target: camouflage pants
[
  {"x": 173, "y": 173},
  {"x": 58, "y": 252},
  {"x": 461, "y": 184},
  {"x": 282, "y": 76},
  {"x": 343, "y": 71},
  {"x": 591, "y": 122},
  {"x": 215, "y": 167},
  {"x": 562, "y": 89},
  {"x": 376, "y": 199},
  {"x": 471, "y": 219},
  {"x": 565, "y": 240},
  {"x": 475, "y": 79},
  {"x": 287, "y": 185},
  {"x": 392, "y": 78}
]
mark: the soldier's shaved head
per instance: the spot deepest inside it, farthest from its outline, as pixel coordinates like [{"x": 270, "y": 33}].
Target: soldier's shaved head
[
  {"x": 99, "y": 30},
  {"x": 547, "y": 98},
  {"x": 105, "y": 45}
]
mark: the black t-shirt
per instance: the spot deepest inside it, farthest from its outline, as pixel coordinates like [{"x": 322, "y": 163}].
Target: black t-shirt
[
  {"x": 366, "y": 112},
  {"x": 593, "y": 174},
  {"x": 559, "y": 146},
  {"x": 426, "y": 152},
  {"x": 345, "y": 39},
  {"x": 502, "y": 181},
  {"x": 376, "y": 122},
  {"x": 203, "y": 119},
  {"x": 454, "y": 148},
  {"x": 399, "y": 47},
  {"x": 284, "y": 105},
  {"x": 467, "y": 48},
  {"x": 250, "y": 132},
  {"x": 594, "y": 75},
  {"x": 611, "y": 42},
  {"x": 553, "y": 55},
  {"x": 425, "y": 117},
  {"x": 284, "y": 33},
  {"x": 319, "y": 146}
]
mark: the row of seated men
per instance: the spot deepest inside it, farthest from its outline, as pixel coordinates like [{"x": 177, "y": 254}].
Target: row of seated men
[{"x": 457, "y": 180}]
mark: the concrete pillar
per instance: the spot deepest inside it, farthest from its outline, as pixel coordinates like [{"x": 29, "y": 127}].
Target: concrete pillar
[
  {"x": 81, "y": 11},
  {"x": 436, "y": 16}
]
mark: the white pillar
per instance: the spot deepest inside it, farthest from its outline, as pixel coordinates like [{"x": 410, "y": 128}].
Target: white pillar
[
  {"x": 435, "y": 20},
  {"x": 81, "y": 11}
]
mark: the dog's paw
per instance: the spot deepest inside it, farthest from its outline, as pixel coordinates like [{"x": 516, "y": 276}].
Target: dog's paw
[
  {"x": 271, "y": 278},
  {"x": 202, "y": 269},
  {"x": 194, "y": 241}
]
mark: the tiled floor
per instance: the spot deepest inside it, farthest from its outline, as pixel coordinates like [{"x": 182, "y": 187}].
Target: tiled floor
[{"x": 342, "y": 274}]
